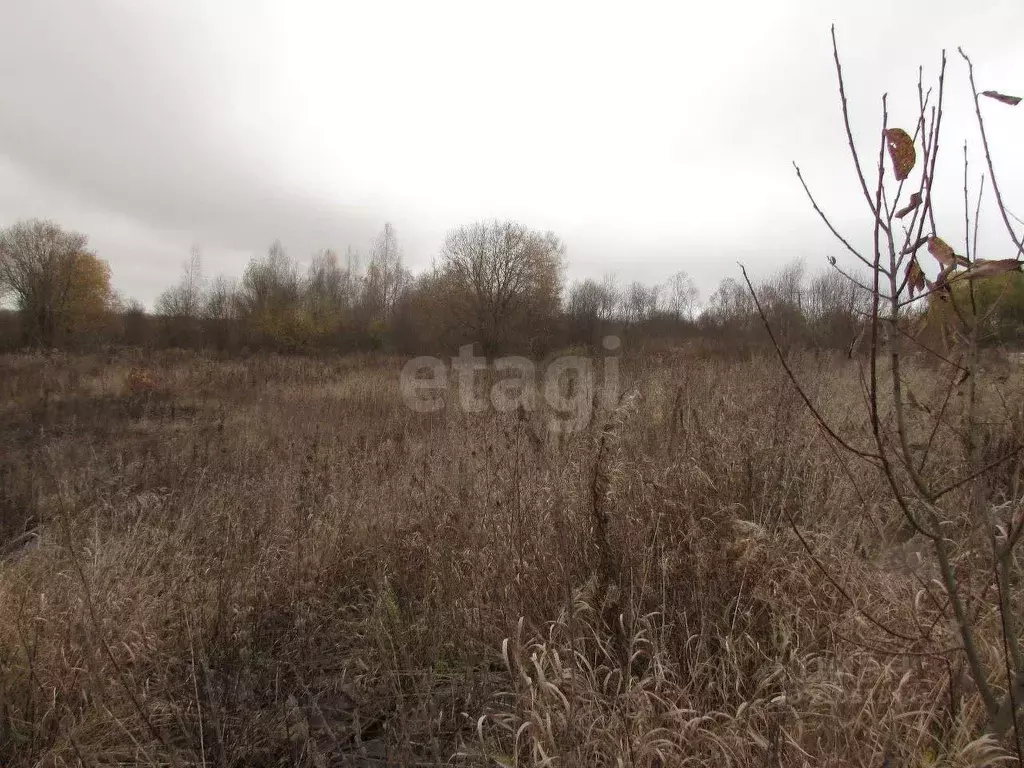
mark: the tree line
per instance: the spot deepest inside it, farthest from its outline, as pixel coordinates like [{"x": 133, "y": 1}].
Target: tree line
[{"x": 499, "y": 284}]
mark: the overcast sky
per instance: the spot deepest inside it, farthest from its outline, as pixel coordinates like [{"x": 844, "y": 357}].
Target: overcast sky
[{"x": 651, "y": 137}]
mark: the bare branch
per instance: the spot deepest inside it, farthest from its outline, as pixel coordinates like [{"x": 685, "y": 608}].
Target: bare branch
[
  {"x": 828, "y": 223},
  {"x": 792, "y": 377},
  {"x": 1017, "y": 240},
  {"x": 976, "y": 474},
  {"x": 849, "y": 131}
]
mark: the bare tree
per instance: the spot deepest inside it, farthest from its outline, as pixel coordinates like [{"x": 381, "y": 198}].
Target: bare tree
[
  {"x": 221, "y": 299},
  {"x": 270, "y": 300},
  {"x": 639, "y": 302},
  {"x": 836, "y": 308},
  {"x": 583, "y": 308},
  {"x": 386, "y": 280},
  {"x": 782, "y": 295},
  {"x": 185, "y": 300},
  {"x": 611, "y": 297},
  {"x": 728, "y": 306},
  {"x": 328, "y": 291},
  {"x": 501, "y": 275},
  {"x": 679, "y": 296},
  {"x": 270, "y": 284}
]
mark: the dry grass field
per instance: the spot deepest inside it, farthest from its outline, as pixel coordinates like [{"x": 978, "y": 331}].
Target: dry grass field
[{"x": 272, "y": 561}]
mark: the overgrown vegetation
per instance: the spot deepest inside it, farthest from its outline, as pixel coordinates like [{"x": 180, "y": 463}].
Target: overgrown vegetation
[
  {"x": 268, "y": 559},
  {"x": 273, "y": 561}
]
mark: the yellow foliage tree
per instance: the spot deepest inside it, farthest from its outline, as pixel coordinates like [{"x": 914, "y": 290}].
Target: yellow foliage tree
[
  {"x": 87, "y": 304},
  {"x": 60, "y": 287}
]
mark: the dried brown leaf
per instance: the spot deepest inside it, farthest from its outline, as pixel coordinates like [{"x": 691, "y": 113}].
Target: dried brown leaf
[
  {"x": 901, "y": 151},
  {"x": 915, "y": 277},
  {"x": 1013, "y": 101},
  {"x": 944, "y": 253},
  {"x": 915, "y": 200}
]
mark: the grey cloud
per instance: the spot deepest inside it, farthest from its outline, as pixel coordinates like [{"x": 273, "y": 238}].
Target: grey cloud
[
  {"x": 148, "y": 126},
  {"x": 122, "y": 107}
]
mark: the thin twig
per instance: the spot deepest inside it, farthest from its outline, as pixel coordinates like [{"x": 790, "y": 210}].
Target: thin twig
[
  {"x": 792, "y": 377},
  {"x": 838, "y": 587},
  {"x": 975, "y": 475},
  {"x": 1017, "y": 241},
  {"x": 821, "y": 213},
  {"x": 849, "y": 131}
]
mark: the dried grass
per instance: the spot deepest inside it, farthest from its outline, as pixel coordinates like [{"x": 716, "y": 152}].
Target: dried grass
[{"x": 271, "y": 561}]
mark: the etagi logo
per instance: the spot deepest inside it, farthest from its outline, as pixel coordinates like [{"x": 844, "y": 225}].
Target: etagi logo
[{"x": 566, "y": 385}]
